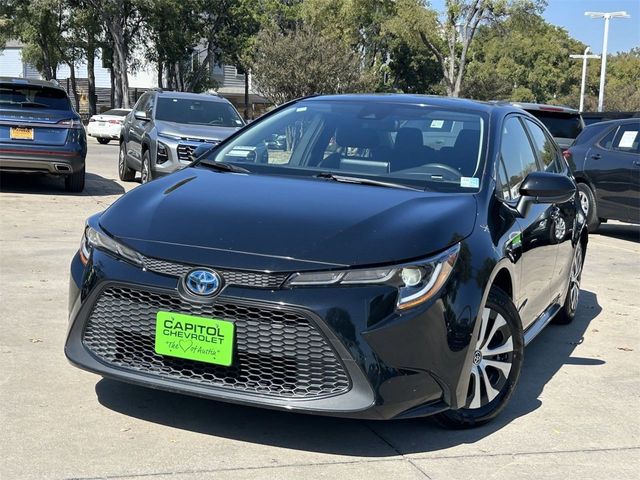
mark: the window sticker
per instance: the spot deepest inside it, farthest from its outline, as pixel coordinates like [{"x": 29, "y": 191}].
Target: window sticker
[
  {"x": 437, "y": 123},
  {"x": 301, "y": 109},
  {"x": 627, "y": 139},
  {"x": 469, "y": 182}
]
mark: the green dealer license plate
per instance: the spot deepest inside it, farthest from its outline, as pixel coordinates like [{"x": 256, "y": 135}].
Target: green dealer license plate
[{"x": 194, "y": 338}]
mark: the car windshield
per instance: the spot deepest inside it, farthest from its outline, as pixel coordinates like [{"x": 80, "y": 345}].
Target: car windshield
[
  {"x": 424, "y": 146},
  {"x": 560, "y": 125},
  {"x": 25, "y": 96},
  {"x": 197, "y": 112}
]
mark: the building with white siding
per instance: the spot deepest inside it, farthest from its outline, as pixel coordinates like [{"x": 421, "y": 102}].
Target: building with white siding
[{"x": 231, "y": 82}]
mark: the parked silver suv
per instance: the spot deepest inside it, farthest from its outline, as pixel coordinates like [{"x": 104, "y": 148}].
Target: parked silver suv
[{"x": 164, "y": 128}]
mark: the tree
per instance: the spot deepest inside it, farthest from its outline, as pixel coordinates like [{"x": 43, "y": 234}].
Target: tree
[
  {"x": 121, "y": 21},
  {"x": 622, "y": 89},
  {"x": 302, "y": 62},
  {"x": 450, "y": 36},
  {"x": 524, "y": 58}
]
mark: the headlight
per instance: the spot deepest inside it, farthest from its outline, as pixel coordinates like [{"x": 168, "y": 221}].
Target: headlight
[
  {"x": 95, "y": 239},
  {"x": 416, "y": 282},
  {"x": 162, "y": 154}
]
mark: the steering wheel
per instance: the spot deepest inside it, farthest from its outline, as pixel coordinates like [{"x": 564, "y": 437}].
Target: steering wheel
[{"x": 455, "y": 173}]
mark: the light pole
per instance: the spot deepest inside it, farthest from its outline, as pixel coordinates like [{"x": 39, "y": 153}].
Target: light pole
[
  {"x": 607, "y": 16},
  {"x": 584, "y": 58}
]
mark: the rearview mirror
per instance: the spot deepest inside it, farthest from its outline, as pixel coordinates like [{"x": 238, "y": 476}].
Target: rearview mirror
[
  {"x": 140, "y": 115},
  {"x": 545, "y": 187}
]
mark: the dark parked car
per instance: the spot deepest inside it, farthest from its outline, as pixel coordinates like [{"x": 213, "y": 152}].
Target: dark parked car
[
  {"x": 161, "y": 133},
  {"x": 595, "y": 117},
  {"x": 564, "y": 123},
  {"x": 605, "y": 160},
  {"x": 393, "y": 263},
  {"x": 40, "y": 132}
]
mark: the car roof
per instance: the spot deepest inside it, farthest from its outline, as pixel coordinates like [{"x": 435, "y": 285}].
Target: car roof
[
  {"x": 30, "y": 82},
  {"x": 617, "y": 121},
  {"x": 190, "y": 95},
  {"x": 545, "y": 107},
  {"x": 415, "y": 99}
]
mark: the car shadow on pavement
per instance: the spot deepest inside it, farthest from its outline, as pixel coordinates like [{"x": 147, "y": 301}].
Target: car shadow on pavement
[
  {"x": 95, "y": 185},
  {"x": 621, "y": 231},
  {"x": 543, "y": 358}
]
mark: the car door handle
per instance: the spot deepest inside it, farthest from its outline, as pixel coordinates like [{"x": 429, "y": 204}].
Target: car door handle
[{"x": 596, "y": 156}]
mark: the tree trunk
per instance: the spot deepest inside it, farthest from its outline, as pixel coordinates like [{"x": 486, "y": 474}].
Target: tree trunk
[
  {"x": 91, "y": 75},
  {"x": 246, "y": 95},
  {"x": 160, "y": 74},
  {"x": 112, "y": 94},
  {"x": 74, "y": 85},
  {"x": 120, "y": 61}
]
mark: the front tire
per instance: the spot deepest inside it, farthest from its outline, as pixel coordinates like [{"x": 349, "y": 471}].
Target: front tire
[
  {"x": 145, "y": 174},
  {"x": 103, "y": 141},
  {"x": 74, "y": 182},
  {"x": 589, "y": 206},
  {"x": 125, "y": 173},
  {"x": 498, "y": 356}
]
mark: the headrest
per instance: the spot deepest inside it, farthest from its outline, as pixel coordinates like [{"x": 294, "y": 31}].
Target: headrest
[
  {"x": 356, "y": 137},
  {"x": 409, "y": 138},
  {"x": 468, "y": 137}
]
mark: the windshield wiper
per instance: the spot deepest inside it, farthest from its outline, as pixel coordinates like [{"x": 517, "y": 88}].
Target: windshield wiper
[
  {"x": 224, "y": 167},
  {"x": 365, "y": 181}
]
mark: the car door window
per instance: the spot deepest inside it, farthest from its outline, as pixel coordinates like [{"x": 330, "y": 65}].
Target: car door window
[
  {"x": 548, "y": 153},
  {"x": 607, "y": 141},
  {"x": 627, "y": 138},
  {"x": 516, "y": 155},
  {"x": 144, "y": 104}
]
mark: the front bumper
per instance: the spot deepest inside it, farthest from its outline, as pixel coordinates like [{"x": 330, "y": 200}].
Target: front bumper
[
  {"x": 178, "y": 153},
  {"x": 395, "y": 365}
]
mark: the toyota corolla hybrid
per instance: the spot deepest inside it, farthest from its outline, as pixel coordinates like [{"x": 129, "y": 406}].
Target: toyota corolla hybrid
[{"x": 392, "y": 260}]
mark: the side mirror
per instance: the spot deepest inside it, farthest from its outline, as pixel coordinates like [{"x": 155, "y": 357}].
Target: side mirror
[
  {"x": 140, "y": 115},
  {"x": 545, "y": 187},
  {"x": 201, "y": 150}
]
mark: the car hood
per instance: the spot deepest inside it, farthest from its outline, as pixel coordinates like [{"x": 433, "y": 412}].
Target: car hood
[
  {"x": 184, "y": 130},
  {"x": 273, "y": 223}
]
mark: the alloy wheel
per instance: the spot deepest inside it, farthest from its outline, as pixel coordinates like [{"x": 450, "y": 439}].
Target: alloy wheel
[
  {"x": 584, "y": 203},
  {"x": 121, "y": 161},
  {"x": 144, "y": 174},
  {"x": 574, "y": 279},
  {"x": 492, "y": 360}
]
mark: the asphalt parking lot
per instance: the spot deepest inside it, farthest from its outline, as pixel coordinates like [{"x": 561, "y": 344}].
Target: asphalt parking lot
[{"x": 575, "y": 413}]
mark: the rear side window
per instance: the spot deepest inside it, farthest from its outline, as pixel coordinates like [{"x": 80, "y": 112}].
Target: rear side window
[
  {"x": 627, "y": 138},
  {"x": 25, "y": 96},
  {"x": 559, "y": 124},
  {"x": 516, "y": 155},
  {"x": 547, "y": 151}
]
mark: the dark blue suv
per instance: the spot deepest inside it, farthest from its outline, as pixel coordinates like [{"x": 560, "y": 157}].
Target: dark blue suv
[{"x": 40, "y": 132}]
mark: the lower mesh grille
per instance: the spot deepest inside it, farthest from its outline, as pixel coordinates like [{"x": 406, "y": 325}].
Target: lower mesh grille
[{"x": 278, "y": 353}]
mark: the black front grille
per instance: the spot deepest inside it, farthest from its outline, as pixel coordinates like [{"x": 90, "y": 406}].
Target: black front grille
[
  {"x": 231, "y": 277},
  {"x": 277, "y": 352},
  {"x": 185, "y": 151}
]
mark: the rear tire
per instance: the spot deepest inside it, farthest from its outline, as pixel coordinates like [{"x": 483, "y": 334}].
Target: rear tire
[
  {"x": 568, "y": 311},
  {"x": 74, "y": 182},
  {"x": 589, "y": 206},
  {"x": 125, "y": 173},
  {"x": 498, "y": 356},
  {"x": 103, "y": 141}
]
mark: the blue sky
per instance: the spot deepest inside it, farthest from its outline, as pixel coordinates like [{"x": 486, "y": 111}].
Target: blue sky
[{"x": 624, "y": 33}]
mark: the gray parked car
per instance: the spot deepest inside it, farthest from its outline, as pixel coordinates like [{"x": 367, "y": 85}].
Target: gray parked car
[{"x": 164, "y": 128}]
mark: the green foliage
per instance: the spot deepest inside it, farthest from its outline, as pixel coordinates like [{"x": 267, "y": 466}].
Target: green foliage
[{"x": 302, "y": 62}]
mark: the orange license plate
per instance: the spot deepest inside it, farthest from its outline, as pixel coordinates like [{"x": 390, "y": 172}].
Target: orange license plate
[{"x": 21, "y": 133}]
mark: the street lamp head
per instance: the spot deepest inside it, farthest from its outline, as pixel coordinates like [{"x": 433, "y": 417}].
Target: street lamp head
[{"x": 607, "y": 14}]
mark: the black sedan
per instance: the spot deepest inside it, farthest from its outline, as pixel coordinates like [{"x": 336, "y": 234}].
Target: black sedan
[
  {"x": 605, "y": 159},
  {"x": 391, "y": 261}
]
